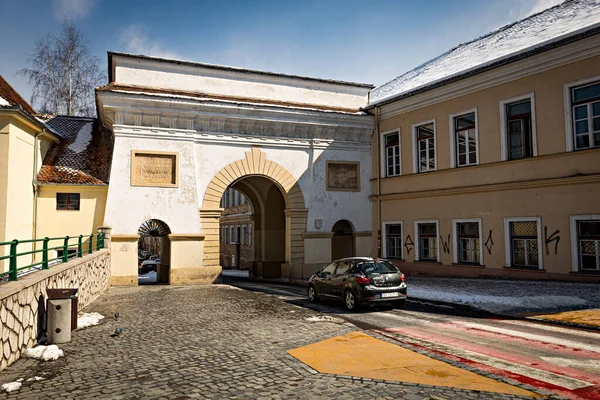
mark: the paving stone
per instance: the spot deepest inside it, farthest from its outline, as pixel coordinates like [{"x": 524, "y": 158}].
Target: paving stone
[{"x": 211, "y": 342}]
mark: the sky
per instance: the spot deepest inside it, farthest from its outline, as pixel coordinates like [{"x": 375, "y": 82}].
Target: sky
[{"x": 361, "y": 41}]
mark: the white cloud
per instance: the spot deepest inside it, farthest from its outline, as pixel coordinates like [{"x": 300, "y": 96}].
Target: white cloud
[
  {"x": 134, "y": 39},
  {"x": 72, "y": 9},
  {"x": 526, "y": 8}
]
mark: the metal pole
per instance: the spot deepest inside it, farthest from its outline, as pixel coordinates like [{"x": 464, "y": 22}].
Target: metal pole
[
  {"x": 90, "y": 244},
  {"x": 13, "y": 261},
  {"x": 45, "y": 253},
  {"x": 66, "y": 250},
  {"x": 79, "y": 246}
]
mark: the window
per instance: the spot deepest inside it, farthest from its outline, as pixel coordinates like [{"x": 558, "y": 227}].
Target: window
[
  {"x": 67, "y": 201},
  {"x": 585, "y": 242},
  {"x": 425, "y": 147},
  {"x": 467, "y": 241},
  {"x": 71, "y": 252},
  {"x": 342, "y": 268},
  {"x": 226, "y": 235},
  {"x": 524, "y": 246},
  {"x": 391, "y": 153},
  {"x": 250, "y": 235},
  {"x": 392, "y": 240},
  {"x": 518, "y": 127},
  {"x": 464, "y": 140},
  {"x": 585, "y": 101},
  {"x": 427, "y": 249},
  {"x": 330, "y": 269},
  {"x": 231, "y": 235},
  {"x": 244, "y": 234}
]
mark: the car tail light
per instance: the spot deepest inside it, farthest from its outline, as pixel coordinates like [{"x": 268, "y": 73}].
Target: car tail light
[
  {"x": 403, "y": 278},
  {"x": 363, "y": 280}
]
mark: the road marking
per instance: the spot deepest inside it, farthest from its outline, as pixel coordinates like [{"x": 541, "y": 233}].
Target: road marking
[
  {"x": 552, "y": 328},
  {"x": 530, "y": 336},
  {"x": 574, "y": 362},
  {"x": 442, "y": 344}
]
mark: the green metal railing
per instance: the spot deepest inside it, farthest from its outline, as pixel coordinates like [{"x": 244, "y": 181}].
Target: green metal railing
[{"x": 95, "y": 243}]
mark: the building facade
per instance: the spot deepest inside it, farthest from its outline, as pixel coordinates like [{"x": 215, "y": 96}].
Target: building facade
[
  {"x": 494, "y": 171},
  {"x": 298, "y": 149},
  {"x": 236, "y": 227}
]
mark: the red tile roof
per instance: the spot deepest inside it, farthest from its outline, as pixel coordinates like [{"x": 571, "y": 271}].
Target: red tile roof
[
  {"x": 83, "y": 157},
  {"x": 12, "y": 97}
]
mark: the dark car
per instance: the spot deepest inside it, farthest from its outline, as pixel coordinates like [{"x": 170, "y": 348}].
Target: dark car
[{"x": 359, "y": 280}]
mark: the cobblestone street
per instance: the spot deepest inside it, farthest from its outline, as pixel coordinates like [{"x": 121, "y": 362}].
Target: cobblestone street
[{"x": 201, "y": 342}]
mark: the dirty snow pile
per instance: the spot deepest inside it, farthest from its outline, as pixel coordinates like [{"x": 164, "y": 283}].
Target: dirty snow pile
[
  {"x": 324, "y": 318},
  {"x": 88, "y": 319},
  {"x": 528, "y": 34},
  {"x": 35, "y": 378},
  {"x": 11, "y": 386},
  {"x": 44, "y": 353}
]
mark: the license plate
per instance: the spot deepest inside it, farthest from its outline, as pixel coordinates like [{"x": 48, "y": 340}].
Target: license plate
[{"x": 391, "y": 294}]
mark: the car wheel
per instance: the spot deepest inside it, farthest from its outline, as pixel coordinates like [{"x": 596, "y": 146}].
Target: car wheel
[
  {"x": 349, "y": 300},
  {"x": 312, "y": 294},
  {"x": 400, "y": 303}
]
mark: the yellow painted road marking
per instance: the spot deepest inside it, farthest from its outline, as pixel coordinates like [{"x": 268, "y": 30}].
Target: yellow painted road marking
[
  {"x": 583, "y": 317},
  {"x": 360, "y": 355}
]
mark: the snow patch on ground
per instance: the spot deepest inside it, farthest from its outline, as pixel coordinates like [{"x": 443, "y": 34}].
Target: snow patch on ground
[
  {"x": 44, "y": 353},
  {"x": 88, "y": 319},
  {"x": 35, "y": 378},
  {"x": 236, "y": 273},
  {"x": 11, "y": 386},
  {"x": 150, "y": 277},
  {"x": 84, "y": 136},
  {"x": 496, "y": 303},
  {"x": 528, "y": 34},
  {"x": 324, "y": 318}
]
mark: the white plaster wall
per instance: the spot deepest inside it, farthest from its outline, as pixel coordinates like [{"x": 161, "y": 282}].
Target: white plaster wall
[
  {"x": 243, "y": 84},
  {"x": 128, "y": 206},
  {"x": 331, "y": 206}
]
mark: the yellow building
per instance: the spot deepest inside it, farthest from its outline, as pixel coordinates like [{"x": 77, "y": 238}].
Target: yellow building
[
  {"x": 53, "y": 174},
  {"x": 486, "y": 160}
]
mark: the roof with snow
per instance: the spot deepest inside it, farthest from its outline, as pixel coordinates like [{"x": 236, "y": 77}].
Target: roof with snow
[
  {"x": 10, "y": 98},
  {"x": 83, "y": 157},
  {"x": 567, "y": 22}
]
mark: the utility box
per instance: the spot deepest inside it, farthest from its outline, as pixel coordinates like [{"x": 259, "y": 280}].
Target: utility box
[
  {"x": 59, "y": 321},
  {"x": 65, "y": 294}
]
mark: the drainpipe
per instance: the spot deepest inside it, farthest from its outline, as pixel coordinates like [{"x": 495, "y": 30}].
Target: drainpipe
[
  {"x": 379, "y": 244},
  {"x": 35, "y": 191}
]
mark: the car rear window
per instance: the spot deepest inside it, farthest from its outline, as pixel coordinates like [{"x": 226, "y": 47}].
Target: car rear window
[{"x": 378, "y": 267}]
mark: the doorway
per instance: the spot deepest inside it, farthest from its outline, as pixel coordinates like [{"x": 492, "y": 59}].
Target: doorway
[
  {"x": 342, "y": 241},
  {"x": 154, "y": 252}
]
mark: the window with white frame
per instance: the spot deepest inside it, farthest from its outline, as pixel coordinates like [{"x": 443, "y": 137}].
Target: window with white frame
[
  {"x": 244, "y": 234},
  {"x": 585, "y": 103},
  {"x": 524, "y": 242},
  {"x": 392, "y": 153},
  {"x": 465, "y": 139},
  {"x": 467, "y": 241},
  {"x": 393, "y": 239},
  {"x": 226, "y": 235},
  {"x": 427, "y": 241},
  {"x": 519, "y": 130},
  {"x": 425, "y": 147},
  {"x": 250, "y": 235},
  {"x": 585, "y": 231}
]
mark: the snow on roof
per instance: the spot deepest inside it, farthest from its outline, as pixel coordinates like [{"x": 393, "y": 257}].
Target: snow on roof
[
  {"x": 559, "y": 22},
  {"x": 3, "y": 102}
]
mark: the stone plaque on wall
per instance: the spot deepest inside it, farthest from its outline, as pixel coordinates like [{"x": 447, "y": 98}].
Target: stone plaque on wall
[
  {"x": 154, "y": 168},
  {"x": 343, "y": 176}
]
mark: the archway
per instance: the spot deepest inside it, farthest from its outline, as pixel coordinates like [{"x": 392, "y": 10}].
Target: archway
[
  {"x": 342, "y": 241},
  {"x": 154, "y": 252},
  {"x": 239, "y": 173},
  {"x": 252, "y": 227}
]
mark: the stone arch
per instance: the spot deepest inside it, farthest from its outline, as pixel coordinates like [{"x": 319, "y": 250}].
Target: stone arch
[{"x": 255, "y": 164}]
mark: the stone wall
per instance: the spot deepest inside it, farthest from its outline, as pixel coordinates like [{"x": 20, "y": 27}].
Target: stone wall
[{"x": 22, "y": 303}]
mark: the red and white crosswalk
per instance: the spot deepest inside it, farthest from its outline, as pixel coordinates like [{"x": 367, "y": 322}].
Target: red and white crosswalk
[{"x": 561, "y": 360}]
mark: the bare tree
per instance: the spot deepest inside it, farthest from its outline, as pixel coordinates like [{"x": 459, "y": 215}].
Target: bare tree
[{"x": 64, "y": 73}]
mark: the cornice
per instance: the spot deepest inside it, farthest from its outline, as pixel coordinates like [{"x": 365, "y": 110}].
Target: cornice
[
  {"x": 558, "y": 57},
  {"x": 530, "y": 184}
]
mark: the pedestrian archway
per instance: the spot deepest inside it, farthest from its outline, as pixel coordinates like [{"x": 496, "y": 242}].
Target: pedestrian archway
[
  {"x": 342, "y": 241},
  {"x": 154, "y": 252}
]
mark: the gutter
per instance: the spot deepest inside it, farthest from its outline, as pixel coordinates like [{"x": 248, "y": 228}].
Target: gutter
[{"x": 35, "y": 190}]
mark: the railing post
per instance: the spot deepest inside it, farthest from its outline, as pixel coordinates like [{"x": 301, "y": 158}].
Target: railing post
[
  {"x": 90, "y": 248},
  {"x": 102, "y": 237},
  {"x": 79, "y": 246},
  {"x": 98, "y": 242},
  {"x": 66, "y": 250},
  {"x": 45, "y": 253},
  {"x": 13, "y": 261}
]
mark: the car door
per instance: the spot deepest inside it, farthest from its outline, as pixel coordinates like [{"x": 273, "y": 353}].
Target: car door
[
  {"x": 323, "y": 281},
  {"x": 339, "y": 279}
]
